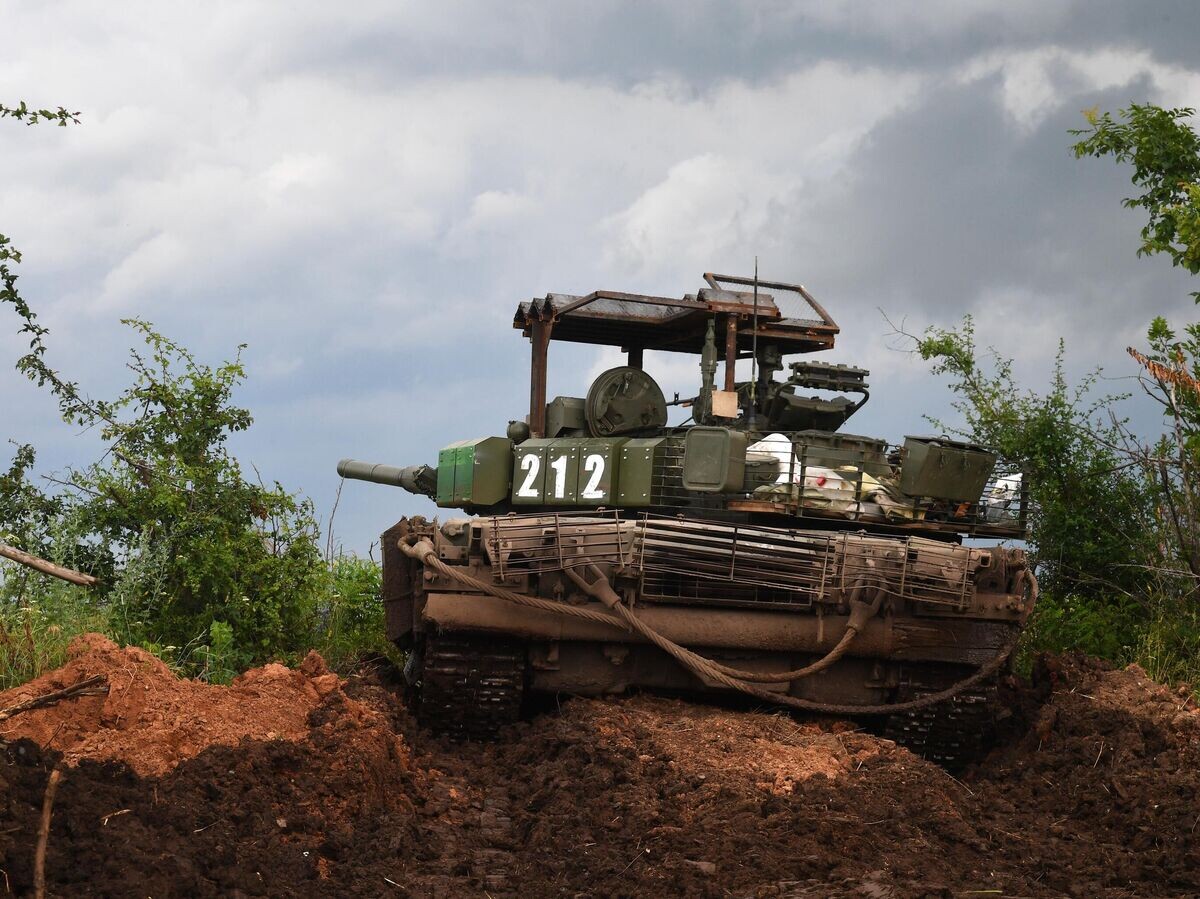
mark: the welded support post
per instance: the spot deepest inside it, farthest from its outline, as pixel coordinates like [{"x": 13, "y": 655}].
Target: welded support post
[
  {"x": 730, "y": 353},
  {"x": 539, "y": 341},
  {"x": 634, "y": 354}
]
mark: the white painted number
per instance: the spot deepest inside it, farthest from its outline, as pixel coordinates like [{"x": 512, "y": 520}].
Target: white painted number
[
  {"x": 593, "y": 465},
  {"x": 532, "y": 464},
  {"x": 560, "y": 476}
]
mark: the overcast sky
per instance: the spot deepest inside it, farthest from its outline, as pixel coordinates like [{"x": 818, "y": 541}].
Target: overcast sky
[{"x": 363, "y": 192}]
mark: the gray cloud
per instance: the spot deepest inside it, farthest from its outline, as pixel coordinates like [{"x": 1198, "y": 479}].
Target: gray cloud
[{"x": 364, "y": 196}]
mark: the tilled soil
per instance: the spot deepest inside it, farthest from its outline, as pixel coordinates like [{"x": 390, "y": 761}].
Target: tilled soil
[{"x": 296, "y": 783}]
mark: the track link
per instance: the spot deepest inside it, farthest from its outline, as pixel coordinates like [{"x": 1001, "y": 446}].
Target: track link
[
  {"x": 471, "y": 685},
  {"x": 952, "y": 733}
]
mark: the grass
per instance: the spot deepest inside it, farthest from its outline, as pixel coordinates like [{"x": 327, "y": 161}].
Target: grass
[
  {"x": 1162, "y": 635},
  {"x": 38, "y": 622},
  {"x": 40, "y": 616},
  {"x": 1169, "y": 648},
  {"x": 349, "y": 619}
]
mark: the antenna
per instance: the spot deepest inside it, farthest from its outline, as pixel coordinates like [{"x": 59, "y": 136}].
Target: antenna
[{"x": 754, "y": 346}]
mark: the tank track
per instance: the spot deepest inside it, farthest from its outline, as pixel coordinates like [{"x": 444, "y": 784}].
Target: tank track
[
  {"x": 470, "y": 685},
  {"x": 952, "y": 733}
]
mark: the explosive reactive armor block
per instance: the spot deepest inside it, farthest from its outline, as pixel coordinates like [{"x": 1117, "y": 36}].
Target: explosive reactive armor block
[
  {"x": 474, "y": 472},
  {"x": 566, "y": 471}
]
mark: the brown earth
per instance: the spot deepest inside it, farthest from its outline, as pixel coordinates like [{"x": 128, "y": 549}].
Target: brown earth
[
  {"x": 296, "y": 783},
  {"x": 151, "y": 720}
]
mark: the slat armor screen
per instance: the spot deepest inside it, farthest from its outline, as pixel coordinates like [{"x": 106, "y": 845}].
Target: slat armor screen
[{"x": 691, "y": 561}]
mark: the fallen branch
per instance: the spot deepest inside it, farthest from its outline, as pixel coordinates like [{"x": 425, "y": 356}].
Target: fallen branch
[
  {"x": 93, "y": 686},
  {"x": 39, "y": 858},
  {"x": 67, "y": 574}
]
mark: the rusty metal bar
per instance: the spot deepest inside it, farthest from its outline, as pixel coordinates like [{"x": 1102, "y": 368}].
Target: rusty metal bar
[
  {"x": 730, "y": 353},
  {"x": 539, "y": 341},
  {"x": 758, "y": 630},
  {"x": 644, "y": 299}
]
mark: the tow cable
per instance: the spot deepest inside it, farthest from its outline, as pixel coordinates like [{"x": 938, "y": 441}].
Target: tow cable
[{"x": 707, "y": 669}]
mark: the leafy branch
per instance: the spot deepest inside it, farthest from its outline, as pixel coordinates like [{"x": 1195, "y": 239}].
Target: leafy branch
[
  {"x": 1165, "y": 154},
  {"x": 23, "y": 113}
]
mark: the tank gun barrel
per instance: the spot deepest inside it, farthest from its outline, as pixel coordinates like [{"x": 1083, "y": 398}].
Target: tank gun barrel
[{"x": 418, "y": 479}]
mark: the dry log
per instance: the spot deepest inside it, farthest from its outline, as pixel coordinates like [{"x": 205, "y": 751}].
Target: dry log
[
  {"x": 67, "y": 574},
  {"x": 93, "y": 686},
  {"x": 39, "y": 858}
]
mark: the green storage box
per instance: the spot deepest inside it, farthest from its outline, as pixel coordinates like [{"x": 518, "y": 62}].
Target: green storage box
[
  {"x": 761, "y": 469},
  {"x": 831, "y": 449},
  {"x": 714, "y": 459},
  {"x": 940, "y": 468},
  {"x": 565, "y": 413}
]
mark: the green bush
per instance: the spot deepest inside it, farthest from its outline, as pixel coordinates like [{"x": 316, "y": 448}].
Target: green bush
[
  {"x": 1110, "y": 628},
  {"x": 1094, "y": 515},
  {"x": 167, "y": 518},
  {"x": 220, "y": 663},
  {"x": 350, "y": 619},
  {"x": 211, "y": 569}
]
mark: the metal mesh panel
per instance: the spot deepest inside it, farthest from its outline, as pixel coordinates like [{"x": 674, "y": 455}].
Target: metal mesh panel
[
  {"x": 523, "y": 544},
  {"x": 694, "y": 561},
  {"x": 748, "y": 565},
  {"x": 730, "y": 564}
]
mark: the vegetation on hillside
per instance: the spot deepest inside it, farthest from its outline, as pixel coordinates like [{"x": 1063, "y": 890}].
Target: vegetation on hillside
[
  {"x": 1116, "y": 530},
  {"x": 211, "y": 569}
]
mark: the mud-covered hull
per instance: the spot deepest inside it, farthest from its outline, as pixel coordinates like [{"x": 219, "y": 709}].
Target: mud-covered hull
[{"x": 753, "y": 599}]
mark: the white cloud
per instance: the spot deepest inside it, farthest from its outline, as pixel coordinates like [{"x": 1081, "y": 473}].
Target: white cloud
[
  {"x": 910, "y": 23},
  {"x": 1037, "y": 81},
  {"x": 705, "y": 206},
  {"x": 150, "y": 266}
]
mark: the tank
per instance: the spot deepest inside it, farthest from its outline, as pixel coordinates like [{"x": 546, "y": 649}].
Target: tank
[{"x": 753, "y": 548}]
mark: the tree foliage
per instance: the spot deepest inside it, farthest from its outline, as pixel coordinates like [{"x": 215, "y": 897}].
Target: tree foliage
[
  {"x": 192, "y": 541},
  {"x": 1171, "y": 377},
  {"x": 22, "y": 112},
  {"x": 27, "y": 513},
  {"x": 1089, "y": 513},
  {"x": 1165, "y": 154},
  {"x": 189, "y": 548},
  {"x": 1115, "y": 528}
]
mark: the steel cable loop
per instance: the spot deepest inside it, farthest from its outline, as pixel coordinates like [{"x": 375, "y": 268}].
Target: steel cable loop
[
  {"x": 861, "y": 612},
  {"x": 706, "y": 668},
  {"x": 786, "y": 677},
  {"x": 424, "y": 552}
]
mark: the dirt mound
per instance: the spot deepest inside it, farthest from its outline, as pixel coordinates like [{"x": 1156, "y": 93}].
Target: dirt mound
[
  {"x": 178, "y": 788},
  {"x": 1101, "y": 789},
  {"x": 651, "y": 796},
  {"x": 1092, "y": 794},
  {"x": 260, "y": 818},
  {"x": 151, "y": 720}
]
